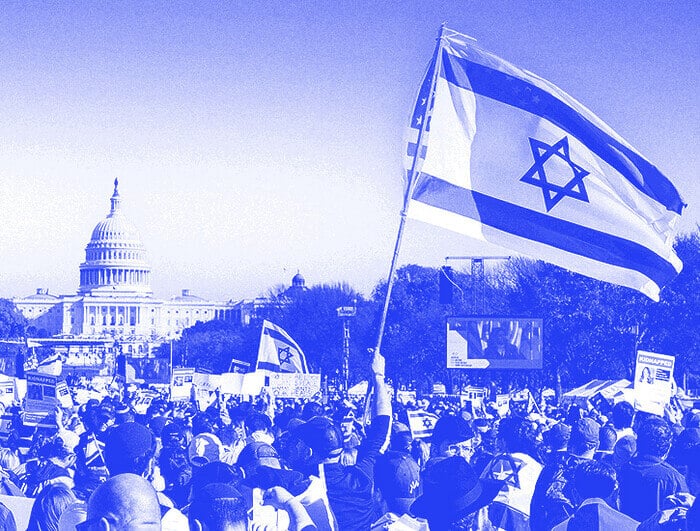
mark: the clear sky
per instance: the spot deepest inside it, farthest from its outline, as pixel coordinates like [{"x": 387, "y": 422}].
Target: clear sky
[{"x": 255, "y": 138}]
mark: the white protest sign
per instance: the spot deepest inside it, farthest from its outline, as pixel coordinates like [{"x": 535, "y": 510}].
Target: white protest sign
[
  {"x": 231, "y": 383},
  {"x": 181, "y": 384},
  {"x": 142, "y": 401},
  {"x": 253, "y": 382},
  {"x": 295, "y": 385},
  {"x": 210, "y": 382},
  {"x": 653, "y": 384},
  {"x": 7, "y": 390},
  {"x": 44, "y": 393}
]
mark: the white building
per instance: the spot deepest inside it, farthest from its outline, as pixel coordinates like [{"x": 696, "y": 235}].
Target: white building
[{"x": 115, "y": 300}]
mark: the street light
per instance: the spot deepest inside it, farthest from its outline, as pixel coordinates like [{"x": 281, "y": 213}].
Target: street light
[{"x": 346, "y": 313}]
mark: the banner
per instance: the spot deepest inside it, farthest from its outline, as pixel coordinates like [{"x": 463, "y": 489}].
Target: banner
[
  {"x": 231, "y": 383},
  {"x": 142, "y": 401},
  {"x": 181, "y": 384},
  {"x": 210, "y": 382},
  {"x": 653, "y": 384},
  {"x": 503, "y": 404},
  {"x": 44, "y": 393},
  {"x": 295, "y": 385}
]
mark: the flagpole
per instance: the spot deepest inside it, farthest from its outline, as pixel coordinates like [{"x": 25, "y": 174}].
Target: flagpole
[{"x": 408, "y": 193}]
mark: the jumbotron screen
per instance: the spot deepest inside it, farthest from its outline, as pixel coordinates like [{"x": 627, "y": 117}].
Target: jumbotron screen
[{"x": 494, "y": 343}]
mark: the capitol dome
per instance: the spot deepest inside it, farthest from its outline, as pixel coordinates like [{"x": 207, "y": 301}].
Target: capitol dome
[{"x": 115, "y": 258}]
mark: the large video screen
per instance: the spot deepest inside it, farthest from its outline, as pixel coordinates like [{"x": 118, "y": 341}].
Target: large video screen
[{"x": 494, "y": 343}]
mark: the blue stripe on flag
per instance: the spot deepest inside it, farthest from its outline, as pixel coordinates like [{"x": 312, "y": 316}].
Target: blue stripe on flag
[
  {"x": 539, "y": 227},
  {"x": 274, "y": 334},
  {"x": 269, "y": 366},
  {"x": 518, "y": 93}
]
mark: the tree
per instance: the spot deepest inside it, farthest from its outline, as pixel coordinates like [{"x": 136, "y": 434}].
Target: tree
[{"x": 12, "y": 323}]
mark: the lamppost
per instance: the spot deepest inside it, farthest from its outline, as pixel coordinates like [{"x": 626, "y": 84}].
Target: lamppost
[{"x": 346, "y": 313}]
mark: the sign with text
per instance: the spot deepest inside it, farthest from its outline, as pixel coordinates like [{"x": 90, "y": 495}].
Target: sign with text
[
  {"x": 7, "y": 390},
  {"x": 295, "y": 385},
  {"x": 653, "y": 381},
  {"x": 494, "y": 343},
  {"x": 44, "y": 393},
  {"x": 181, "y": 384}
]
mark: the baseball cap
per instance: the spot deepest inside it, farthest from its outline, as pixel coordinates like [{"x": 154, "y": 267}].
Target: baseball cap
[
  {"x": 320, "y": 434},
  {"x": 257, "y": 453},
  {"x": 451, "y": 428},
  {"x": 586, "y": 431},
  {"x": 397, "y": 475},
  {"x": 557, "y": 436}
]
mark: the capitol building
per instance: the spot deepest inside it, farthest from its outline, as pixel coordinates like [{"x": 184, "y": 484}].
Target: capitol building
[{"x": 115, "y": 302}]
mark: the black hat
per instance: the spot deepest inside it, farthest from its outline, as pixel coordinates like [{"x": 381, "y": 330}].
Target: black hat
[{"x": 452, "y": 490}]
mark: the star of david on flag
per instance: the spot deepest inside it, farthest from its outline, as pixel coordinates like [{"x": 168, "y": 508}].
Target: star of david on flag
[
  {"x": 421, "y": 423},
  {"x": 497, "y": 153},
  {"x": 278, "y": 352}
]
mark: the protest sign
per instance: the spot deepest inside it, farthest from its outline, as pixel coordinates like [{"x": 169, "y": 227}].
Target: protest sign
[
  {"x": 404, "y": 397},
  {"x": 209, "y": 382},
  {"x": 295, "y": 385},
  {"x": 203, "y": 397},
  {"x": 181, "y": 383},
  {"x": 44, "y": 393},
  {"x": 7, "y": 390},
  {"x": 653, "y": 381},
  {"x": 421, "y": 423},
  {"x": 503, "y": 404},
  {"x": 142, "y": 401},
  {"x": 231, "y": 383},
  {"x": 253, "y": 382}
]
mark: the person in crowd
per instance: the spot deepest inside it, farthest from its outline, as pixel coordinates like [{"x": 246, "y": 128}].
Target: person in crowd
[
  {"x": 315, "y": 447},
  {"x": 455, "y": 498},
  {"x": 555, "y": 443},
  {"x": 91, "y": 469},
  {"x": 622, "y": 419},
  {"x": 55, "y": 465},
  {"x": 518, "y": 471},
  {"x": 259, "y": 428},
  {"x": 552, "y": 500},
  {"x": 397, "y": 477},
  {"x": 608, "y": 438},
  {"x": 499, "y": 348},
  {"x": 453, "y": 435},
  {"x": 48, "y": 507},
  {"x": 123, "y": 503},
  {"x": 130, "y": 449},
  {"x": 647, "y": 479},
  {"x": 596, "y": 488}
]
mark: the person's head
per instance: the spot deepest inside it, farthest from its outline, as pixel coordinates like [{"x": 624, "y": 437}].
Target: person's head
[
  {"x": 624, "y": 450},
  {"x": 257, "y": 454},
  {"x": 452, "y": 492},
  {"x": 218, "y": 507},
  {"x": 622, "y": 415},
  {"x": 123, "y": 503},
  {"x": 313, "y": 442},
  {"x": 517, "y": 435},
  {"x": 216, "y": 472},
  {"x": 129, "y": 448},
  {"x": 258, "y": 423},
  {"x": 452, "y": 436},
  {"x": 311, "y": 410},
  {"x": 9, "y": 460},
  {"x": 608, "y": 438},
  {"x": 557, "y": 437},
  {"x": 48, "y": 507},
  {"x": 205, "y": 448},
  {"x": 654, "y": 437},
  {"x": 585, "y": 438},
  {"x": 498, "y": 337},
  {"x": 175, "y": 466},
  {"x": 397, "y": 476},
  {"x": 595, "y": 479}
]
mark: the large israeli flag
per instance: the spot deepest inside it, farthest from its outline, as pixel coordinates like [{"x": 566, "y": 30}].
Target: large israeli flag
[
  {"x": 278, "y": 352},
  {"x": 500, "y": 154}
]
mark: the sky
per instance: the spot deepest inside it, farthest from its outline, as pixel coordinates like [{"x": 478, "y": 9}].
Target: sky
[{"x": 256, "y": 139}]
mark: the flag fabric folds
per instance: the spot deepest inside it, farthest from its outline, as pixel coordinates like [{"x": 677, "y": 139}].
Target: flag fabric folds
[
  {"x": 499, "y": 154},
  {"x": 421, "y": 423},
  {"x": 278, "y": 352}
]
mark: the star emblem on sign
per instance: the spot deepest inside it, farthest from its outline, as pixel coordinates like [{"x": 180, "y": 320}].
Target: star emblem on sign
[
  {"x": 428, "y": 422},
  {"x": 284, "y": 354},
  {"x": 537, "y": 176}
]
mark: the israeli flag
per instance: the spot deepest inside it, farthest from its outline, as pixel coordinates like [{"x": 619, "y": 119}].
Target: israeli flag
[
  {"x": 500, "y": 154},
  {"x": 278, "y": 352}
]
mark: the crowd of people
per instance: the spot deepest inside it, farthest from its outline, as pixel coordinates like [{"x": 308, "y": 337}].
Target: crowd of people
[{"x": 267, "y": 464}]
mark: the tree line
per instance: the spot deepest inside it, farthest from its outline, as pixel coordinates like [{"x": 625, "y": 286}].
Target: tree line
[{"x": 591, "y": 329}]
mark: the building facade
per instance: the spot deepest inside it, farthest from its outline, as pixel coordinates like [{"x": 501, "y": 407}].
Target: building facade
[{"x": 115, "y": 300}]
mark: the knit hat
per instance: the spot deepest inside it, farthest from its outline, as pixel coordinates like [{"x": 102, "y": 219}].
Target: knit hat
[{"x": 451, "y": 429}]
